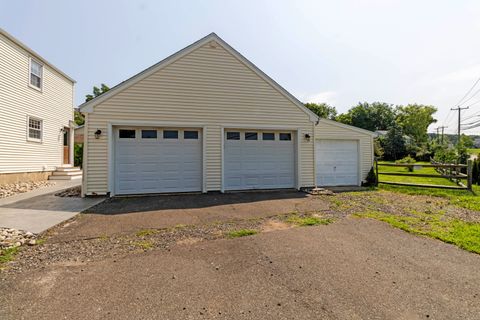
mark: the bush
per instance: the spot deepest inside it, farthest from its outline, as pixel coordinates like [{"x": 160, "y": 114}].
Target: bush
[
  {"x": 78, "y": 155},
  {"x": 406, "y": 159},
  {"x": 371, "y": 179}
]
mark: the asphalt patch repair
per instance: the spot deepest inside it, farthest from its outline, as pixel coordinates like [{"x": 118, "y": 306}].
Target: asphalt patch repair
[{"x": 351, "y": 268}]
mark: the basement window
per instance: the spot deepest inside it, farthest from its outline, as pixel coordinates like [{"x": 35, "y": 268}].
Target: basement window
[
  {"x": 268, "y": 136},
  {"x": 233, "y": 135},
  {"x": 170, "y": 134},
  {"x": 126, "y": 134}
]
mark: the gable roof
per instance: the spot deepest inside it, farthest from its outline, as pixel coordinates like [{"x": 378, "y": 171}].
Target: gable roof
[
  {"x": 88, "y": 106},
  {"x": 346, "y": 126},
  {"x": 34, "y": 54}
]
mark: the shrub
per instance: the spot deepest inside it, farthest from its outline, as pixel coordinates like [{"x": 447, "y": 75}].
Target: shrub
[
  {"x": 371, "y": 179},
  {"x": 407, "y": 160},
  {"x": 78, "y": 155}
]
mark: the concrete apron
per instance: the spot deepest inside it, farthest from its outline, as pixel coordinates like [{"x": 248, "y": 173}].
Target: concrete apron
[{"x": 38, "y": 210}]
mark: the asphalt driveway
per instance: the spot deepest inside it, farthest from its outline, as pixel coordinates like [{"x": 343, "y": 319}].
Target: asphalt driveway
[{"x": 171, "y": 258}]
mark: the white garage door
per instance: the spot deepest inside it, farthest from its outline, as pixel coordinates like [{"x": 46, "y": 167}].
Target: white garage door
[
  {"x": 152, "y": 160},
  {"x": 259, "y": 160},
  {"x": 337, "y": 162}
]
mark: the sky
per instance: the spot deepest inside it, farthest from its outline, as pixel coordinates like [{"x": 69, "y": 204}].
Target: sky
[{"x": 340, "y": 52}]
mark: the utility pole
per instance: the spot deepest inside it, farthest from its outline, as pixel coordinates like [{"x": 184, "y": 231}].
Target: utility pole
[
  {"x": 443, "y": 128},
  {"x": 459, "y": 109},
  {"x": 437, "y": 132}
]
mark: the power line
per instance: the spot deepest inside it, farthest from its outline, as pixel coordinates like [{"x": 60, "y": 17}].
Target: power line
[{"x": 468, "y": 92}]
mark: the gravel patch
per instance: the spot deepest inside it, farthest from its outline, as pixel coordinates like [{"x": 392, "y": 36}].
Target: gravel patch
[
  {"x": 80, "y": 251},
  {"x": 8, "y": 190},
  {"x": 74, "y": 192},
  {"x": 11, "y": 238}
]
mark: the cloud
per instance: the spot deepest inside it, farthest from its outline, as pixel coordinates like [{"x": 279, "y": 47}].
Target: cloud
[{"x": 329, "y": 97}]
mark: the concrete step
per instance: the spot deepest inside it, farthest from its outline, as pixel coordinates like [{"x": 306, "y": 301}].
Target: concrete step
[
  {"x": 65, "y": 177},
  {"x": 67, "y": 173},
  {"x": 61, "y": 169}
]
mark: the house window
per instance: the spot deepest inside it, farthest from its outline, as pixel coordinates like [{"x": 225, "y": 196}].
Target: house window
[
  {"x": 149, "y": 134},
  {"x": 268, "y": 136},
  {"x": 36, "y": 74},
  {"x": 233, "y": 135},
  {"x": 190, "y": 135},
  {"x": 35, "y": 129},
  {"x": 170, "y": 134},
  {"x": 285, "y": 136},
  {"x": 126, "y": 134},
  {"x": 251, "y": 136}
]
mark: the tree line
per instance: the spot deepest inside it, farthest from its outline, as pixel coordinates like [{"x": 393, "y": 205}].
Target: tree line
[{"x": 401, "y": 130}]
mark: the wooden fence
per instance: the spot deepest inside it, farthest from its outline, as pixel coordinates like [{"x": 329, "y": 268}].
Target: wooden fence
[{"x": 445, "y": 171}]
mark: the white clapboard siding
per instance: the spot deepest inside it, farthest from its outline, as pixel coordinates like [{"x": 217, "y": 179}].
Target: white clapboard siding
[
  {"x": 330, "y": 130},
  {"x": 54, "y": 105},
  {"x": 210, "y": 87}
]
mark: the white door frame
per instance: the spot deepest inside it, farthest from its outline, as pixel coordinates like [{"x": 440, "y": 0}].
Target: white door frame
[
  {"x": 359, "y": 171},
  {"x": 135, "y": 123},
  {"x": 296, "y": 148}
]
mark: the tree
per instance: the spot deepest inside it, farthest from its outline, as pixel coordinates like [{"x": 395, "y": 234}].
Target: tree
[
  {"x": 370, "y": 116},
  {"x": 79, "y": 117},
  {"x": 322, "y": 110},
  {"x": 415, "y": 120},
  {"x": 97, "y": 91},
  {"x": 394, "y": 143}
]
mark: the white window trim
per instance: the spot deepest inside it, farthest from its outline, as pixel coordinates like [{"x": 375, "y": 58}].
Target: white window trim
[
  {"x": 28, "y": 129},
  {"x": 30, "y": 75}
]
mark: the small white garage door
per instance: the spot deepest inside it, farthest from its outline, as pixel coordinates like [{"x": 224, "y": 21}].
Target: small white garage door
[
  {"x": 337, "y": 162},
  {"x": 259, "y": 160},
  {"x": 152, "y": 160}
]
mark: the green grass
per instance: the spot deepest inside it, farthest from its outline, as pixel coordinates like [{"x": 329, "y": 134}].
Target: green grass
[
  {"x": 309, "y": 221},
  {"x": 473, "y": 151},
  {"x": 7, "y": 255},
  {"x": 412, "y": 179},
  {"x": 242, "y": 233},
  {"x": 145, "y": 245},
  {"x": 146, "y": 232},
  {"x": 465, "y": 235}
]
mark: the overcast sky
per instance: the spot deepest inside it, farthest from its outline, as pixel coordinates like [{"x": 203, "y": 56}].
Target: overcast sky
[{"x": 339, "y": 52}]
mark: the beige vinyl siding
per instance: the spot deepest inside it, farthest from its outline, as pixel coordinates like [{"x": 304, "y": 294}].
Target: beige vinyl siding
[
  {"x": 326, "y": 130},
  {"x": 208, "y": 87},
  {"x": 54, "y": 105}
]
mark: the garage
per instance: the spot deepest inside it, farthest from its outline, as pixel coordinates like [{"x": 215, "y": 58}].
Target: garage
[
  {"x": 337, "y": 162},
  {"x": 157, "y": 160},
  {"x": 255, "y": 159}
]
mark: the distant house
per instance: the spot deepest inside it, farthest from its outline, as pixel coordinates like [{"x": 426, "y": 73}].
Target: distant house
[
  {"x": 36, "y": 118},
  {"x": 207, "y": 119}
]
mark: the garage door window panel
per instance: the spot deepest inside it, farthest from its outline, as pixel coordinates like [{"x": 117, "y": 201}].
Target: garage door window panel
[
  {"x": 190, "y": 135},
  {"x": 126, "y": 134},
  {"x": 285, "y": 136},
  {"x": 268, "y": 136},
  {"x": 251, "y": 136},
  {"x": 231, "y": 135},
  {"x": 170, "y": 134},
  {"x": 149, "y": 134}
]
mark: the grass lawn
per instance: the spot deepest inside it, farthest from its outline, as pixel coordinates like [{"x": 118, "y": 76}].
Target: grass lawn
[
  {"x": 465, "y": 235},
  {"x": 461, "y": 198},
  {"x": 412, "y": 179},
  {"x": 474, "y": 151}
]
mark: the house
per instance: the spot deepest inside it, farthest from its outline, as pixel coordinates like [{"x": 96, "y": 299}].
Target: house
[
  {"x": 36, "y": 121},
  {"x": 207, "y": 119}
]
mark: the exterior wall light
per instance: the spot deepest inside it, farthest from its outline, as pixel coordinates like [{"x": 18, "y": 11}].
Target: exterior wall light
[
  {"x": 98, "y": 133},
  {"x": 307, "y": 137}
]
